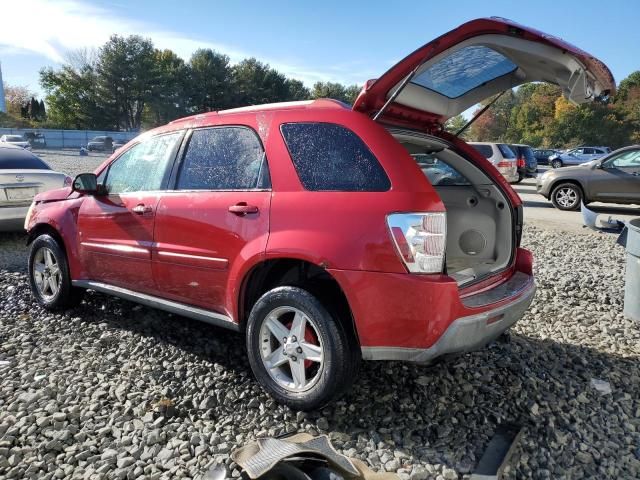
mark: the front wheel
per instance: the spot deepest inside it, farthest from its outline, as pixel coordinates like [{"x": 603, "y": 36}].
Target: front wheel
[
  {"x": 49, "y": 275},
  {"x": 566, "y": 196},
  {"x": 298, "y": 351}
]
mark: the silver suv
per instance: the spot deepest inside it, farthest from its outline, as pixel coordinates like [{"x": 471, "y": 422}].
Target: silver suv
[
  {"x": 577, "y": 156},
  {"x": 502, "y": 157}
]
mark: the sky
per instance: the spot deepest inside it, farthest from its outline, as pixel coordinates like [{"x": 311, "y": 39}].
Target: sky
[{"x": 327, "y": 40}]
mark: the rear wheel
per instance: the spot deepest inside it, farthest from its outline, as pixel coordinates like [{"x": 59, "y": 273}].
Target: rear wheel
[
  {"x": 566, "y": 196},
  {"x": 557, "y": 163},
  {"x": 49, "y": 275},
  {"x": 298, "y": 351}
]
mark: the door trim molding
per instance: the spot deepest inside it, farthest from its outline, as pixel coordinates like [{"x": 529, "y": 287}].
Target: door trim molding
[{"x": 189, "y": 311}]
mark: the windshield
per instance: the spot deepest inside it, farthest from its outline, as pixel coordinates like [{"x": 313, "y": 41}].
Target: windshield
[{"x": 11, "y": 161}]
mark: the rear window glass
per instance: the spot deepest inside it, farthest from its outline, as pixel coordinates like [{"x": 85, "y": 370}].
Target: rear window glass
[
  {"x": 485, "y": 150},
  {"x": 330, "y": 157},
  {"x": 506, "y": 151},
  {"x": 464, "y": 70},
  {"x": 528, "y": 154},
  {"x": 20, "y": 160}
]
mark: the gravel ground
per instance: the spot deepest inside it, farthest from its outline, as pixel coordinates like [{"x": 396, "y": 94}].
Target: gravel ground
[
  {"x": 115, "y": 390},
  {"x": 70, "y": 161}
]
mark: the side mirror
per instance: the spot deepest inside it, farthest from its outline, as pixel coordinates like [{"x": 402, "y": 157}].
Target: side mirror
[{"x": 87, "y": 183}]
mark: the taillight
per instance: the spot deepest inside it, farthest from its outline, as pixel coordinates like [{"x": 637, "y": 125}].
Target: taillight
[
  {"x": 504, "y": 164},
  {"x": 521, "y": 162},
  {"x": 68, "y": 181},
  {"x": 420, "y": 239}
]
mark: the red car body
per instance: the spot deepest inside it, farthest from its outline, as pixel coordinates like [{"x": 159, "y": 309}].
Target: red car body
[{"x": 199, "y": 249}]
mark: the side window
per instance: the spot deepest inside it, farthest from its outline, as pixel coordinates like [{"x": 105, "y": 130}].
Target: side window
[
  {"x": 144, "y": 167},
  {"x": 329, "y": 157},
  {"x": 224, "y": 158},
  {"x": 629, "y": 159}
]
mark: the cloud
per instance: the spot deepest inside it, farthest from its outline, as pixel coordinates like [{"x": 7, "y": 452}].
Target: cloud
[{"x": 55, "y": 27}]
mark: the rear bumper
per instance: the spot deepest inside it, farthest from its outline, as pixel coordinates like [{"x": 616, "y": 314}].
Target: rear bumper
[
  {"x": 469, "y": 333},
  {"x": 420, "y": 317}
]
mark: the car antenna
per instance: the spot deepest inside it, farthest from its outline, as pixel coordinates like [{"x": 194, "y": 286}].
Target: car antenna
[
  {"x": 475, "y": 117},
  {"x": 395, "y": 94}
]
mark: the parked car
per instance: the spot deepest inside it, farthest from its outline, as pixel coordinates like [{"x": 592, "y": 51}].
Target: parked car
[
  {"x": 16, "y": 140},
  {"x": 542, "y": 155},
  {"x": 117, "y": 143},
  {"x": 612, "y": 179},
  {"x": 525, "y": 160},
  {"x": 35, "y": 139},
  {"x": 501, "y": 156},
  {"x": 576, "y": 156},
  {"x": 310, "y": 226},
  {"x": 100, "y": 144},
  {"x": 22, "y": 176}
]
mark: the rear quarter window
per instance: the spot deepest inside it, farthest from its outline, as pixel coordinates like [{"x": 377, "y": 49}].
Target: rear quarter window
[
  {"x": 506, "y": 151},
  {"x": 484, "y": 150},
  {"x": 330, "y": 157}
]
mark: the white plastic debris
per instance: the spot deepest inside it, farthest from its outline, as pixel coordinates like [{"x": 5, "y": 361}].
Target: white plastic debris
[
  {"x": 600, "y": 385},
  {"x": 4, "y": 363}
]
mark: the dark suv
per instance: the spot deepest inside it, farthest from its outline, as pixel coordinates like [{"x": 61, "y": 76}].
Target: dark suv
[{"x": 525, "y": 160}]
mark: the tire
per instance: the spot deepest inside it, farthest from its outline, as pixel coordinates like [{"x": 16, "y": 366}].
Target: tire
[
  {"x": 556, "y": 163},
  {"x": 47, "y": 260},
  {"x": 325, "y": 354},
  {"x": 566, "y": 196},
  {"x": 520, "y": 178}
]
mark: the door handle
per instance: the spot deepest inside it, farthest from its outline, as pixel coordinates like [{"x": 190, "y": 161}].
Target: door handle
[
  {"x": 141, "y": 209},
  {"x": 241, "y": 209}
]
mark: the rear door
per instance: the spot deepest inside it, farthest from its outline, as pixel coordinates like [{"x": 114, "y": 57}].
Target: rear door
[
  {"x": 116, "y": 230},
  {"x": 215, "y": 217},
  {"x": 618, "y": 179},
  {"x": 475, "y": 61}
]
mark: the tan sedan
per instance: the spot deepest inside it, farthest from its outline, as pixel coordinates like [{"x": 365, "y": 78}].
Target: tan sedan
[{"x": 611, "y": 179}]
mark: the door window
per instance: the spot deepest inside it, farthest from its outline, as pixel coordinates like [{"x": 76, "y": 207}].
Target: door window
[
  {"x": 628, "y": 159},
  {"x": 224, "y": 158},
  {"x": 144, "y": 167}
]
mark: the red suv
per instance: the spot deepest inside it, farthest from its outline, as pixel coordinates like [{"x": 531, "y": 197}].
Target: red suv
[{"x": 326, "y": 234}]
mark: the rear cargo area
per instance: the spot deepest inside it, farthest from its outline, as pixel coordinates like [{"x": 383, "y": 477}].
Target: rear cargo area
[{"x": 480, "y": 238}]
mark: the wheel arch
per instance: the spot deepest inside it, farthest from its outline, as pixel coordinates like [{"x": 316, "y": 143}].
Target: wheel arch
[{"x": 295, "y": 271}]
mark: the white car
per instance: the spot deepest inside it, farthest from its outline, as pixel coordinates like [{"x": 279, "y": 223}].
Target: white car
[
  {"x": 22, "y": 176},
  {"x": 16, "y": 140},
  {"x": 501, "y": 156}
]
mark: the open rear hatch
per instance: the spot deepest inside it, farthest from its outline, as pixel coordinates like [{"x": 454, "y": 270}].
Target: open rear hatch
[
  {"x": 446, "y": 77},
  {"x": 471, "y": 63}
]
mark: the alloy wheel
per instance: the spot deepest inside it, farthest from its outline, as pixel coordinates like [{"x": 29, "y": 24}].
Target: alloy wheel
[
  {"x": 566, "y": 197},
  {"x": 291, "y": 349},
  {"x": 46, "y": 273}
]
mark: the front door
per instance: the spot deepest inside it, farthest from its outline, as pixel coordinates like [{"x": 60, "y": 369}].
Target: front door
[
  {"x": 116, "y": 229},
  {"x": 215, "y": 219},
  {"x": 617, "y": 179}
]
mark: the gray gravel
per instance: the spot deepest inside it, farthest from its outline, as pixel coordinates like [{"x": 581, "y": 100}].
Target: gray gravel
[
  {"x": 70, "y": 161},
  {"x": 115, "y": 390}
]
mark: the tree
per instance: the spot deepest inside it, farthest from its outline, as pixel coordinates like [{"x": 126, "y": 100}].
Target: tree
[
  {"x": 169, "y": 99},
  {"x": 336, "y": 91},
  {"x": 454, "y": 124},
  {"x": 209, "y": 81},
  {"x": 17, "y": 97},
  {"x": 43, "y": 111},
  {"x": 126, "y": 79}
]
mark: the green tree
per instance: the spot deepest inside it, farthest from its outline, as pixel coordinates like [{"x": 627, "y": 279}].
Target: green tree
[
  {"x": 127, "y": 79},
  {"x": 454, "y": 124},
  {"x": 169, "y": 99},
  {"x": 209, "y": 81},
  {"x": 255, "y": 82},
  {"x": 72, "y": 97},
  {"x": 336, "y": 91}
]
